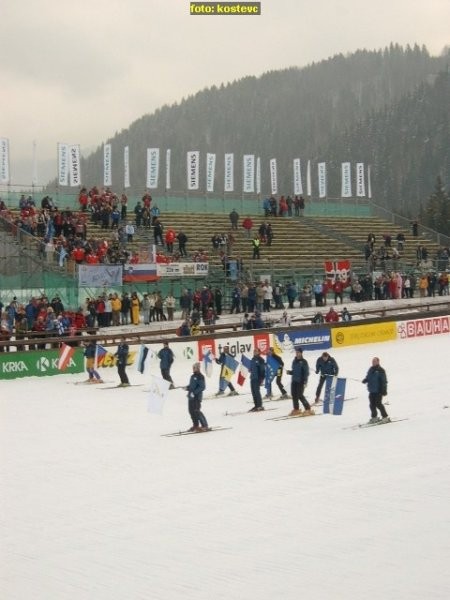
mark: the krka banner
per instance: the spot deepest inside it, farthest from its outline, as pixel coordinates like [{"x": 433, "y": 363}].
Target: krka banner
[
  {"x": 4, "y": 160},
  {"x": 248, "y": 183},
  {"x": 168, "y": 156},
  {"x": 298, "y": 188},
  {"x": 322, "y": 179},
  {"x": 152, "y": 168},
  {"x": 229, "y": 173},
  {"x": 210, "y": 171},
  {"x": 107, "y": 176},
  {"x": 75, "y": 166},
  {"x": 126, "y": 167},
  {"x": 63, "y": 164},
  {"x": 193, "y": 159},
  {"x": 360, "y": 183},
  {"x": 273, "y": 176},
  {"x": 346, "y": 180}
]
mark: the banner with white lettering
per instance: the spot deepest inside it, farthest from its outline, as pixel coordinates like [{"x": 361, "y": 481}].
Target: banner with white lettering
[
  {"x": 258, "y": 175},
  {"x": 193, "y": 160},
  {"x": 273, "y": 175},
  {"x": 229, "y": 173},
  {"x": 63, "y": 164},
  {"x": 75, "y": 166},
  {"x": 194, "y": 269},
  {"x": 107, "y": 177},
  {"x": 346, "y": 180},
  {"x": 4, "y": 160},
  {"x": 369, "y": 183},
  {"x": 322, "y": 179},
  {"x": 308, "y": 178},
  {"x": 126, "y": 167},
  {"x": 152, "y": 168},
  {"x": 210, "y": 171},
  {"x": 360, "y": 182},
  {"x": 99, "y": 275},
  {"x": 248, "y": 181},
  {"x": 298, "y": 187},
  {"x": 168, "y": 156}
]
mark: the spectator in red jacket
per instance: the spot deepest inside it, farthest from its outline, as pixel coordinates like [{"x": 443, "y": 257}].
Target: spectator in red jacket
[
  {"x": 247, "y": 224},
  {"x": 338, "y": 288},
  {"x": 331, "y": 316}
]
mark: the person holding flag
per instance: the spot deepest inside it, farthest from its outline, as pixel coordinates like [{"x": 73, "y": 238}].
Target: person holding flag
[
  {"x": 327, "y": 366},
  {"x": 300, "y": 374},
  {"x": 91, "y": 354},
  {"x": 229, "y": 366},
  {"x": 195, "y": 390},
  {"x": 274, "y": 368}
]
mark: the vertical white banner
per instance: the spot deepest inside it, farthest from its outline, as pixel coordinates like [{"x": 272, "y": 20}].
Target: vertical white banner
[
  {"x": 34, "y": 176},
  {"x": 369, "y": 183},
  {"x": 152, "y": 168},
  {"x": 273, "y": 176},
  {"x": 4, "y": 160},
  {"x": 193, "y": 160},
  {"x": 210, "y": 171},
  {"x": 248, "y": 180},
  {"x": 360, "y": 182},
  {"x": 346, "y": 180},
  {"x": 63, "y": 164},
  {"x": 308, "y": 178},
  {"x": 107, "y": 178},
  {"x": 298, "y": 187},
  {"x": 229, "y": 173},
  {"x": 322, "y": 179},
  {"x": 126, "y": 167},
  {"x": 258, "y": 175},
  {"x": 75, "y": 166},
  {"x": 168, "y": 156}
]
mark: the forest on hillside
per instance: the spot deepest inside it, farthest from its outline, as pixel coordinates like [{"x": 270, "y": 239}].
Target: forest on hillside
[{"x": 389, "y": 109}]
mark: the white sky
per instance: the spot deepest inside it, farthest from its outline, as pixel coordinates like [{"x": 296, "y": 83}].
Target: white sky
[
  {"x": 96, "y": 505},
  {"x": 77, "y": 72}
]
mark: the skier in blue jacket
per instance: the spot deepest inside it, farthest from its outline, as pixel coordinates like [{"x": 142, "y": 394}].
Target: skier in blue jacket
[
  {"x": 195, "y": 391},
  {"x": 377, "y": 386},
  {"x": 327, "y": 366},
  {"x": 300, "y": 374}
]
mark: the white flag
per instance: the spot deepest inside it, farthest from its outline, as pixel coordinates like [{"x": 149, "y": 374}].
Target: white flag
[
  {"x": 298, "y": 187},
  {"x": 159, "y": 389},
  {"x": 346, "y": 180},
  {"x": 168, "y": 169},
  {"x": 360, "y": 183},
  {"x": 193, "y": 159},
  {"x": 273, "y": 176},
  {"x": 4, "y": 160},
  {"x": 248, "y": 183},
  {"x": 210, "y": 171},
  {"x": 308, "y": 178},
  {"x": 126, "y": 167},
  {"x": 75, "y": 167},
  {"x": 152, "y": 168},
  {"x": 107, "y": 179},
  {"x": 322, "y": 179},
  {"x": 63, "y": 164},
  {"x": 229, "y": 173},
  {"x": 258, "y": 175}
]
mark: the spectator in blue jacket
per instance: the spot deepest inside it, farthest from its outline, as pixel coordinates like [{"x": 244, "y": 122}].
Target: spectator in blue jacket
[
  {"x": 377, "y": 386},
  {"x": 327, "y": 366},
  {"x": 166, "y": 357},
  {"x": 300, "y": 374}
]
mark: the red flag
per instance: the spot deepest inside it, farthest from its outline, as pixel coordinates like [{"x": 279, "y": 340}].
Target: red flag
[{"x": 65, "y": 354}]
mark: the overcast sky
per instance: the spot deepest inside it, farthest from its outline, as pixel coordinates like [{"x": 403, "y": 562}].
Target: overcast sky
[{"x": 77, "y": 72}]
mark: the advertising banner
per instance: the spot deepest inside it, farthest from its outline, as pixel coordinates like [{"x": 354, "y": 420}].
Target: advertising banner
[
  {"x": 363, "y": 334},
  {"x": 313, "y": 339},
  {"x": 99, "y": 275},
  {"x": 422, "y": 327},
  {"x": 39, "y": 363}
]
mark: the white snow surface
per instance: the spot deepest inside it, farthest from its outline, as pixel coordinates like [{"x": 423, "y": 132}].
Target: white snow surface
[{"x": 96, "y": 504}]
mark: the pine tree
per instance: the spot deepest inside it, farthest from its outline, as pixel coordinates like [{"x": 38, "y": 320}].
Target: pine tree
[{"x": 437, "y": 209}]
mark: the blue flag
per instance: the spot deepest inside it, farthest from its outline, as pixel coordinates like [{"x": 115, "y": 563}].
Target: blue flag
[
  {"x": 272, "y": 367},
  {"x": 333, "y": 402},
  {"x": 228, "y": 370}
]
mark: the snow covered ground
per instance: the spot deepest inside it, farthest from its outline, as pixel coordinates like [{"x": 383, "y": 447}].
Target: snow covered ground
[{"x": 96, "y": 505}]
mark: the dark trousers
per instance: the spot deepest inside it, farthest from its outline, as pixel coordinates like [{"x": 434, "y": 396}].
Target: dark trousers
[
  {"x": 166, "y": 375},
  {"x": 123, "y": 376},
  {"x": 256, "y": 392},
  {"x": 297, "y": 389},
  {"x": 198, "y": 418},
  {"x": 376, "y": 403},
  {"x": 322, "y": 380}
]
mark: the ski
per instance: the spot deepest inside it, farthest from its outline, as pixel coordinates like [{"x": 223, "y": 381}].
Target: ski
[
  {"x": 331, "y": 403},
  {"x": 286, "y": 417},
  {"x": 230, "y": 395},
  {"x": 365, "y": 425},
  {"x": 247, "y": 412},
  {"x": 121, "y": 387},
  {"x": 178, "y": 433},
  {"x": 86, "y": 382},
  {"x": 279, "y": 399}
]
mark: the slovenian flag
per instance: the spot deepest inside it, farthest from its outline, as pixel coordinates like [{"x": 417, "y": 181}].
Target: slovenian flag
[
  {"x": 244, "y": 369},
  {"x": 333, "y": 402},
  {"x": 65, "y": 354},
  {"x": 208, "y": 363}
]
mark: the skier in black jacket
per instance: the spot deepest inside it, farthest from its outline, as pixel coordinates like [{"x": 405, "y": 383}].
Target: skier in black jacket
[{"x": 327, "y": 366}]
